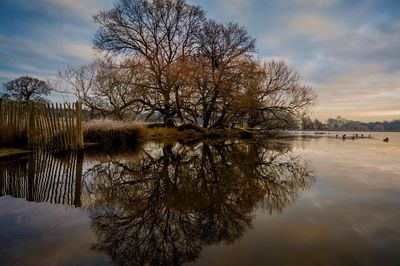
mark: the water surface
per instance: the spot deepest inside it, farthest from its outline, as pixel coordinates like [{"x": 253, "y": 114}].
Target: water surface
[{"x": 313, "y": 201}]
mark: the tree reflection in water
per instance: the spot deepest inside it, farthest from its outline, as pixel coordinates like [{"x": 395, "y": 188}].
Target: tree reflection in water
[{"x": 163, "y": 207}]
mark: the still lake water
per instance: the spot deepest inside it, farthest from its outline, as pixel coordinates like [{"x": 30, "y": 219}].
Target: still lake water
[{"x": 302, "y": 201}]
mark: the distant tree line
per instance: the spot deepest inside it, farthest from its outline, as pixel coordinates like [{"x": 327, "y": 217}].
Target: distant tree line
[
  {"x": 164, "y": 59},
  {"x": 342, "y": 124}
]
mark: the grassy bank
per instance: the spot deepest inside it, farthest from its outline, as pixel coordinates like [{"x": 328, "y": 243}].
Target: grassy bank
[
  {"x": 110, "y": 134},
  {"x": 174, "y": 133},
  {"x": 120, "y": 134},
  {"x": 12, "y": 152}
]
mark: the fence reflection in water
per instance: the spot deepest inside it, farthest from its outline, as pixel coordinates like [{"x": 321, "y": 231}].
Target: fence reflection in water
[{"x": 45, "y": 177}]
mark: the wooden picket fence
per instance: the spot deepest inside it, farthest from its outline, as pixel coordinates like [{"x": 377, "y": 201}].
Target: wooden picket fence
[{"x": 50, "y": 127}]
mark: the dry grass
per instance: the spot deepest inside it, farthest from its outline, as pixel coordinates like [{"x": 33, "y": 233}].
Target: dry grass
[
  {"x": 161, "y": 132},
  {"x": 7, "y": 152},
  {"x": 118, "y": 134},
  {"x": 113, "y": 133},
  {"x": 173, "y": 133},
  {"x": 8, "y": 137}
]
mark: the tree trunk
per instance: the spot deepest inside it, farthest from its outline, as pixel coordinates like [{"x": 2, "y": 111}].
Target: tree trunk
[{"x": 169, "y": 121}]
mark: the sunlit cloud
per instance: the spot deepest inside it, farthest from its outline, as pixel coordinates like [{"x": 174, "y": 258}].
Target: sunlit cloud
[{"x": 316, "y": 26}]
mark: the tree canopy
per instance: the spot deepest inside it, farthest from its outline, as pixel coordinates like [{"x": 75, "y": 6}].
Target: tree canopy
[
  {"x": 26, "y": 88},
  {"x": 173, "y": 63}
]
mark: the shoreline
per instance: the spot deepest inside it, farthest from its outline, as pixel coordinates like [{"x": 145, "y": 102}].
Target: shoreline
[
  {"x": 10, "y": 153},
  {"x": 115, "y": 140}
]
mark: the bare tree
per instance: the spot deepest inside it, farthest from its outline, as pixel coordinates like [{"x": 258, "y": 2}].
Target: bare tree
[
  {"x": 277, "y": 93},
  {"x": 27, "y": 88},
  {"x": 161, "y": 32},
  {"x": 107, "y": 87},
  {"x": 186, "y": 69},
  {"x": 217, "y": 71}
]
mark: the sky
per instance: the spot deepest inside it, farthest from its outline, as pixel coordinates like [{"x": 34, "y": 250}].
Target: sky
[{"x": 347, "y": 50}]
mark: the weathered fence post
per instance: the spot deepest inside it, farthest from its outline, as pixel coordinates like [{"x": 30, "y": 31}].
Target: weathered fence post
[
  {"x": 31, "y": 129},
  {"x": 79, "y": 131},
  {"x": 1, "y": 111}
]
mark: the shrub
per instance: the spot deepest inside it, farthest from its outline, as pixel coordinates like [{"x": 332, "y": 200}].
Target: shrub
[
  {"x": 113, "y": 133},
  {"x": 8, "y": 137}
]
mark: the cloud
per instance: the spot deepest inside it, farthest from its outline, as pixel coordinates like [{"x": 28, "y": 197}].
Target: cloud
[
  {"x": 359, "y": 94},
  {"x": 79, "y": 8},
  {"x": 6, "y": 75},
  {"x": 43, "y": 57},
  {"x": 47, "y": 44},
  {"x": 315, "y": 3},
  {"x": 314, "y": 25},
  {"x": 234, "y": 5},
  {"x": 81, "y": 51},
  {"x": 351, "y": 63},
  {"x": 347, "y": 50}
]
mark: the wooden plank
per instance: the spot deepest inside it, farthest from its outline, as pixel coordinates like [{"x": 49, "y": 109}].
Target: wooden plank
[
  {"x": 40, "y": 131},
  {"x": 68, "y": 126},
  {"x": 71, "y": 126},
  {"x": 45, "y": 113},
  {"x": 59, "y": 128},
  {"x": 79, "y": 131},
  {"x": 53, "y": 127},
  {"x": 17, "y": 104},
  {"x": 31, "y": 126},
  {"x": 46, "y": 126},
  {"x": 37, "y": 126},
  {"x": 26, "y": 115},
  {"x": 1, "y": 111},
  {"x": 61, "y": 121},
  {"x": 11, "y": 114}
]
